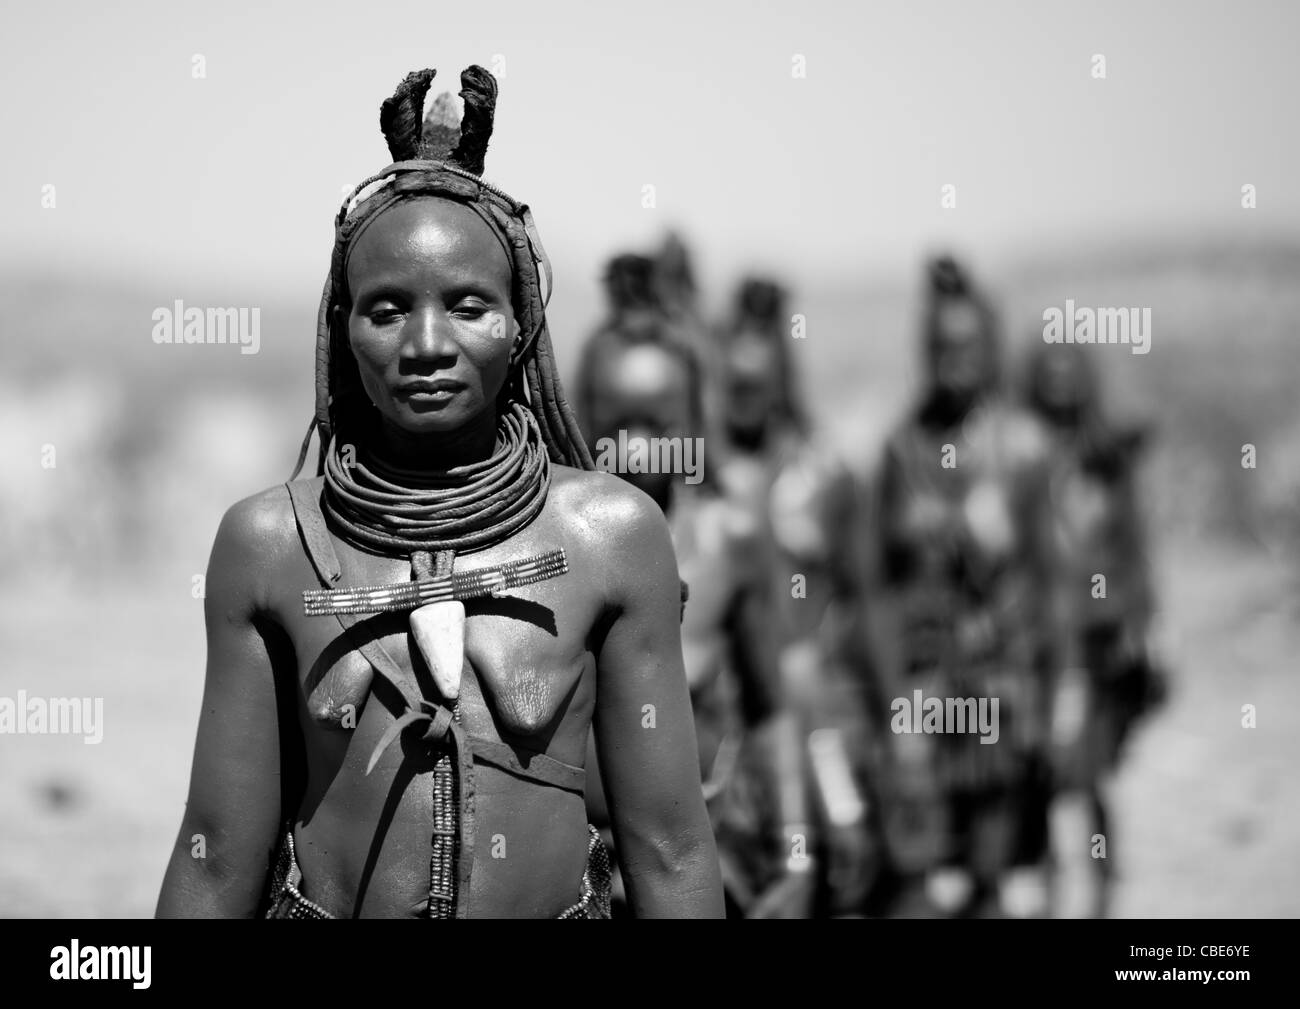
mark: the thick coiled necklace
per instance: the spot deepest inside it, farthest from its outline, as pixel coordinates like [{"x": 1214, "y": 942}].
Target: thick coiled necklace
[{"x": 391, "y": 510}]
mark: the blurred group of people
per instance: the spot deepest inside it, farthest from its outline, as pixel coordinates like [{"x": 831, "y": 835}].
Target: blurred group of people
[{"x": 995, "y": 550}]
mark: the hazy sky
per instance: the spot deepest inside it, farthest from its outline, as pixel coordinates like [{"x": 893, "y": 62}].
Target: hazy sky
[{"x": 235, "y": 177}]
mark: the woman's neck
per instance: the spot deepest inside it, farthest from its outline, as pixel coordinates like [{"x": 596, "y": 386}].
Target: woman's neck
[
  {"x": 439, "y": 451},
  {"x": 944, "y": 410}
]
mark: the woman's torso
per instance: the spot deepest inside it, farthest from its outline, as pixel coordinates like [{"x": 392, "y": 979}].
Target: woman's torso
[{"x": 363, "y": 841}]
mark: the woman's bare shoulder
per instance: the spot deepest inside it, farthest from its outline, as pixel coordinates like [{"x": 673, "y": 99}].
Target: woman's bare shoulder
[
  {"x": 256, "y": 536},
  {"x": 265, "y": 520},
  {"x": 603, "y": 506},
  {"x": 620, "y": 538}
]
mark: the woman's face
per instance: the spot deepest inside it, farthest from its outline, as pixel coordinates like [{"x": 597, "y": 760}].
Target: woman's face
[
  {"x": 753, "y": 382},
  {"x": 644, "y": 390},
  {"x": 960, "y": 351},
  {"x": 431, "y": 324},
  {"x": 640, "y": 393},
  {"x": 1062, "y": 380}
]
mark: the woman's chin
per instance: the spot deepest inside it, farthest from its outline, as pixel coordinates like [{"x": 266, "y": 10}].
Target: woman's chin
[{"x": 430, "y": 419}]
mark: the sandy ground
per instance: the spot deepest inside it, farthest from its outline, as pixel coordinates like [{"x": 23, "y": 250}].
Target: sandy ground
[
  {"x": 1208, "y": 812},
  {"x": 1208, "y": 819}
]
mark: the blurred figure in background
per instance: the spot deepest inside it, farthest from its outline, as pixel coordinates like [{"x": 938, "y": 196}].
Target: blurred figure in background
[
  {"x": 1102, "y": 597},
  {"x": 679, "y": 303},
  {"x": 635, "y": 315},
  {"x": 649, "y": 392},
  {"x": 805, "y": 500},
  {"x": 761, "y": 414},
  {"x": 635, "y": 309},
  {"x": 961, "y": 576},
  {"x": 674, "y": 279}
]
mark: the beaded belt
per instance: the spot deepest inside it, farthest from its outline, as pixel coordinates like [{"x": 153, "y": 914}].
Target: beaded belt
[{"x": 286, "y": 899}]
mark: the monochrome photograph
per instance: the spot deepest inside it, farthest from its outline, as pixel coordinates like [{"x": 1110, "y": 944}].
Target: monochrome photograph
[{"x": 796, "y": 461}]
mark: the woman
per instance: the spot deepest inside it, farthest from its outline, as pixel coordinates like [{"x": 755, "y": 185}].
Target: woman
[
  {"x": 648, "y": 391},
  {"x": 1106, "y": 673},
  {"x": 961, "y": 565},
  {"x": 406, "y": 653}
]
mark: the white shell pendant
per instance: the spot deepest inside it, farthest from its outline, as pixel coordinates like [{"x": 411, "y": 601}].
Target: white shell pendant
[{"x": 439, "y": 630}]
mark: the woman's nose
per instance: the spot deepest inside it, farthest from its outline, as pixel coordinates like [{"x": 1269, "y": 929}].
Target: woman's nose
[{"x": 429, "y": 335}]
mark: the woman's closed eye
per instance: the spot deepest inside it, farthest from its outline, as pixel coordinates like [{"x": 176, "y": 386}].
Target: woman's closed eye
[
  {"x": 470, "y": 308},
  {"x": 384, "y": 313}
]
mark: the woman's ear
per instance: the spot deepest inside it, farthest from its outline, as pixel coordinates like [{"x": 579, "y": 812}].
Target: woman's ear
[
  {"x": 339, "y": 321},
  {"x": 516, "y": 334}
]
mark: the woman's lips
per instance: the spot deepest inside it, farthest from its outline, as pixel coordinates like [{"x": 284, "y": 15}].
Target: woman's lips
[{"x": 439, "y": 390}]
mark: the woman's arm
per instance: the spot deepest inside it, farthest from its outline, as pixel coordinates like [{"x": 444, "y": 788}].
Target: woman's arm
[
  {"x": 644, "y": 726},
  {"x": 219, "y": 864},
  {"x": 755, "y": 633}
]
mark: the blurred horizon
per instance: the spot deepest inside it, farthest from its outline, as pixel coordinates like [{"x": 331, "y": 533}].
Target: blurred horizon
[
  {"x": 236, "y": 176},
  {"x": 1228, "y": 308}
]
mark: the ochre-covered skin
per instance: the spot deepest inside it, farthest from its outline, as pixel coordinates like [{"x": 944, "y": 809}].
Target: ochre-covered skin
[{"x": 544, "y": 663}]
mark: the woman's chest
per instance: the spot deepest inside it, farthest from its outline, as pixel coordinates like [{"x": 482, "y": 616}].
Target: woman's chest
[{"x": 524, "y": 648}]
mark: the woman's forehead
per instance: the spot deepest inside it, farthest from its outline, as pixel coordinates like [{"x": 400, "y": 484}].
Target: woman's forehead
[{"x": 429, "y": 232}]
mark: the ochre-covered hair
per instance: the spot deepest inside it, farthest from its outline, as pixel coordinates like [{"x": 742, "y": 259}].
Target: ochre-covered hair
[{"x": 437, "y": 157}]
